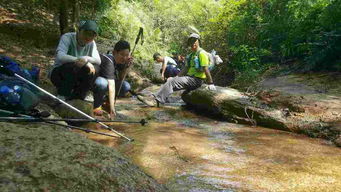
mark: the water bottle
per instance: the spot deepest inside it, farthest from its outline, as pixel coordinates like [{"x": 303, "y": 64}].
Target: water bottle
[
  {"x": 4, "y": 90},
  {"x": 196, "y": 62},
  {"x": 14, "y": 95},
  {"x": 11, "y": 95}
]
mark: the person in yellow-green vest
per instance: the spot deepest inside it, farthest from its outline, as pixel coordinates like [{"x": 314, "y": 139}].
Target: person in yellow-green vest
[{"x": 192, "y": 76}]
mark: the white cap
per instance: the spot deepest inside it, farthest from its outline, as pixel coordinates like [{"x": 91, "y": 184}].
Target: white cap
[{"x": 194, "y": 35}]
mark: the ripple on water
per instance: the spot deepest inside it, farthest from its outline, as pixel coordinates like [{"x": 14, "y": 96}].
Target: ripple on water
[
  {"x": 194, "y": 153},
  {"x": 193, "y": 183}
]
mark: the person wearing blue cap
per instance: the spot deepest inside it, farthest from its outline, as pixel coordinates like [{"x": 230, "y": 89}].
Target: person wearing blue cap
[{"x": 76, "y": 57}]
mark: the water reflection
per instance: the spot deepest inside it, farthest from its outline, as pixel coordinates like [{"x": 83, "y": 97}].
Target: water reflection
[{"x": 188, "y": 152}]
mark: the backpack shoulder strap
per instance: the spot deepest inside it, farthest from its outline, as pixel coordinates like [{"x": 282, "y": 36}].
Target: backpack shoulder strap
[
  {"x": 198, "y": 53},
  {"x": 188, "y": 59}
]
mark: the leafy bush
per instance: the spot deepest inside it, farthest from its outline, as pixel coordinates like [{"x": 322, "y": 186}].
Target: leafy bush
[
  {"x": 165, "y": 23},
  {"x": 247, "y": 64}
]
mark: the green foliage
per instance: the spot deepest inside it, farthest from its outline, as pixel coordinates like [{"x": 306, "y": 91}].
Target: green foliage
[
  {"x": 248, "y": 34},
  {"x": 165, "y": 23},
  {"x": 247, "y": 58},
  {"x": 304, "y": 30},
  {"x": 247, "y": 64}
]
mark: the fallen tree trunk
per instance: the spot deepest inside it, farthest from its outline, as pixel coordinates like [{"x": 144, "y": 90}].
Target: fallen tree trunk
[{"x": 231, "y": 105}]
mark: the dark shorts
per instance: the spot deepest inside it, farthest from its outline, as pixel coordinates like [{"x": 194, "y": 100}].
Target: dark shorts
[
  {"x": 72, "y": 81},
  {"x": 171, "y": 71}
]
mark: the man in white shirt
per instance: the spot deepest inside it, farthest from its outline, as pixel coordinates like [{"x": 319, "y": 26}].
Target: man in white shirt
[
  {"x": 169, "y": 67},
  {"x": 76, "y": 55}
]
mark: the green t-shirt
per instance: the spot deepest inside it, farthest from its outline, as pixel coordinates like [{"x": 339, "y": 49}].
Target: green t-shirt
[{"x": 203, "y": 59}]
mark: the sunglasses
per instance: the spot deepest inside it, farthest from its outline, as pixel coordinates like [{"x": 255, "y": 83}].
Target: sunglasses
[{"x": 191, "y": 41}]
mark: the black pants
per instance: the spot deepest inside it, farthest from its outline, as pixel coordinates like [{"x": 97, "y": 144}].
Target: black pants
[{"x": 71, "y": 81}]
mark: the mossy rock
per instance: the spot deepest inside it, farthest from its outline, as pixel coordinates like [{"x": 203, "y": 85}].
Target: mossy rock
[
  {"x": 66, "y": 112},
  {"x": 38, "y": 157}
]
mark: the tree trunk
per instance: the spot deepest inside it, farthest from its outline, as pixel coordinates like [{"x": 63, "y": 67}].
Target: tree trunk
[
  {"x": 63, "y": 17},
  {"x": 75, "y": 15},
  {"x": 94, "y": 9}
]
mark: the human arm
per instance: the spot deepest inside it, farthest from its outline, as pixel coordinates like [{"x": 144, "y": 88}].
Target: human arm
[
  {"x": 111, "y": 94},
  {"x": 62, "y": 50},
  {"x": 183, "y": 71},
  {"x": 163, "y": 69},
  {"x": 208, "y": 75},
  {"x": 209, "y": 79},
  {"x": 94, "y": 58},
  {"x": 124, "y": 68},
  {"x": 204, "y": 60}
]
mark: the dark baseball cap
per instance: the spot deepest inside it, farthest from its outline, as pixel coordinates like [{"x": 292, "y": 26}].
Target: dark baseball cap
[{"x": 89, "y": 25}]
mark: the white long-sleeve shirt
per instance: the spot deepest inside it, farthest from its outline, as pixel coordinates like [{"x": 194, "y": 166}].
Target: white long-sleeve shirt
[{"x": 68, "y": 50}]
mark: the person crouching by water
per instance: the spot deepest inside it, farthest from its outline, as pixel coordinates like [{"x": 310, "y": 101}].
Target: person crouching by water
[
  {"x": 192, "y": 76},
  {"x": 169, "y": 66},
  {"x": 76, "y": 57},
  {"x": 111, "y": 74}
]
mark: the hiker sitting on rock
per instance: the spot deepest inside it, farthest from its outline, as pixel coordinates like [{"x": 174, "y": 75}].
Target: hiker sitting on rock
[
  {"x": 192, "y": 76},
  {"x": 76, "y": 56},
  {"x": 110, "y": 76},
  {"x": 169, "y": 66}
]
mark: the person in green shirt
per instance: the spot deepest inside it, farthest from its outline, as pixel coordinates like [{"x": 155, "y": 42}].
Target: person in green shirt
[{"x": 192, "y": 76}]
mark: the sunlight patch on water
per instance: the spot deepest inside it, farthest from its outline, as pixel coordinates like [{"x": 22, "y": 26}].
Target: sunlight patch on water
[{"x": 194, "y": 153}]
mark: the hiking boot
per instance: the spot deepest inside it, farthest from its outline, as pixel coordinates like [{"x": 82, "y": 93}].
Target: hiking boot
[
  {"x": 157, "y": 102},
  {"x": 145, "y": 101}
]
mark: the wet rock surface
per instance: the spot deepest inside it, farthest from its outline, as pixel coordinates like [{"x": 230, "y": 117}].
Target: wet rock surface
[{"x": 48, "y": 158}]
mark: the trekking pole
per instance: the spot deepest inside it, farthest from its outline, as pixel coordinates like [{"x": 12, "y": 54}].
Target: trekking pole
[
  {"x": 139, "y": 35},
  {"x": 35, "y": 119},
  {"x": 81, "y": 128},
  {"x": 11, "y": 73},
  {"x": 27, "y": 118}
]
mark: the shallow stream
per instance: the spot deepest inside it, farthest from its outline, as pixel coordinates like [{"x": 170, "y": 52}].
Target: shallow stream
[{"x": 190, "y": 152}]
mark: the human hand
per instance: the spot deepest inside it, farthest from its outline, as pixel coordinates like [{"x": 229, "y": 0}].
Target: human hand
[
  {"x": 80, "y": 62},
  {"x": 112, "y": 114},
  {"x": 130, "y": 61},
  {"x": 91, "y": 67}
]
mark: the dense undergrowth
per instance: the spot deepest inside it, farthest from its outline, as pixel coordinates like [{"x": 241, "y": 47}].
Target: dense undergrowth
[{"x": 251, "y": 36}]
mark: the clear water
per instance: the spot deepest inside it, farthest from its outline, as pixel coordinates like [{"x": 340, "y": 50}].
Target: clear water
[{"x": 188, "y": 152}]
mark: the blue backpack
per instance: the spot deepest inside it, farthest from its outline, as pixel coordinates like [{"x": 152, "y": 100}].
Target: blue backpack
[
  {"x": 8, "y": 63},
  {"x": 15, "y": 94},
  {"x": 213, "y": 59}
]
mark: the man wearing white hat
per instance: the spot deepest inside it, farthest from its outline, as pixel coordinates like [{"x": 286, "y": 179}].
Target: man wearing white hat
[{"x": 192, "y": 76}]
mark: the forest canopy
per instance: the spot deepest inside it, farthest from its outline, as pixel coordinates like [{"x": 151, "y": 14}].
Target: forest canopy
[{"x": 251, "y": 36}]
